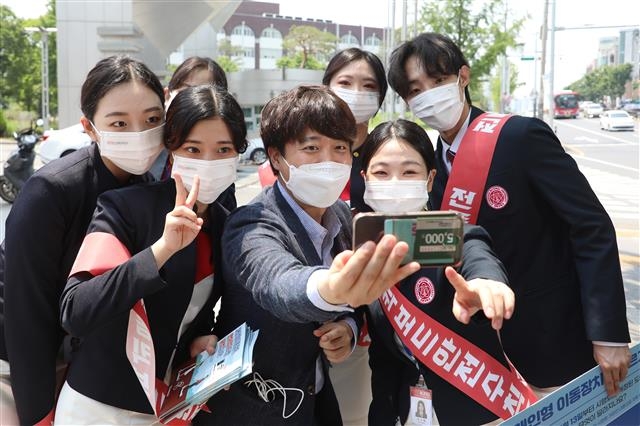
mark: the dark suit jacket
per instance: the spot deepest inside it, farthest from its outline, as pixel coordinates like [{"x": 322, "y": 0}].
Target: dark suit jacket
[
  {"x": 559, "y": 247},
  {"x": 44, "y": 231},
  {"x": 268, "y": 260},
  {"x": 392, "y": 372},
  {"x": 97, "y": 308}
]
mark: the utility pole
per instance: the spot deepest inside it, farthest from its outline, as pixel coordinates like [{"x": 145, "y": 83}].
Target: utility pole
[
  {"x": 543, "y": 61},
  {"x": 504, "y": 87},
  {"x": 44, "y": 69},
  {"x": 552, "y": 47},
  {"x": 415, "y": 18}
]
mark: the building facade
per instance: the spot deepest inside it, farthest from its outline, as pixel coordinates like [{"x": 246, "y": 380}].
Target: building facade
[
  {"x": 622, "y": 49},
  {"x": 256, "y": 31}
]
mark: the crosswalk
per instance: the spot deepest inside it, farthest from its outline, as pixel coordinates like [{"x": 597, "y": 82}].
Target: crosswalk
[{"x": 619, "y": 195}]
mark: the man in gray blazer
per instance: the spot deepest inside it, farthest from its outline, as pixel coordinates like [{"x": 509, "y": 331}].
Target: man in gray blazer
[{"x": 290, "y": 271}]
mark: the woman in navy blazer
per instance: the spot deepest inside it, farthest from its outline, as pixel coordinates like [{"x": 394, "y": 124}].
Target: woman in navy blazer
[
  {"x": 171, "y": 246},
  {"x": 398, "y": 166},
  {"x": 47, "y": 223}
]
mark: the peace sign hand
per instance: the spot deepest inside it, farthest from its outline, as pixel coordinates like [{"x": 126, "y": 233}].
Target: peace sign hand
[{"x": 181, "y": 225}]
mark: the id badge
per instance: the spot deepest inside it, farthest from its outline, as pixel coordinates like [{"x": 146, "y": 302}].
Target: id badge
[{"x": 420, "y": 410}]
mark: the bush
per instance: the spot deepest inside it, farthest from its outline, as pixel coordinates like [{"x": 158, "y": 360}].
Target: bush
[{"x": 3, "y": 124}]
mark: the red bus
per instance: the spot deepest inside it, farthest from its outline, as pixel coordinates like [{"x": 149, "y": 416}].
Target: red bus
[{"x": 565, "y": 104}]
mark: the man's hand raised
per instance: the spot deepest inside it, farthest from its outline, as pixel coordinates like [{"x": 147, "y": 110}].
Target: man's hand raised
[
  {"x": 496, "y": 299},
  {"x": 358, "y": 278}
]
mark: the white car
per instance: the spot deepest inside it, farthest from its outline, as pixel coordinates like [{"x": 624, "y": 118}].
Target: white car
[
  {"x": 592, "y": 110},
  {"x": 616, "y": 119},
  {"x": 255, "y": 152},
  {"x": 58, "y": 143}
]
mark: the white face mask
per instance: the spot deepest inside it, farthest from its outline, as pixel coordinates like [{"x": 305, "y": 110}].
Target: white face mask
[
  {"x": 215, "y": 175},
  {"x": 362, "y": 104},
  {"x": 396, "y": 196},
  {"x": 133, "y": 152},
  {"x": 318, "y": 184},
  {"x": 440, "y": 107}
]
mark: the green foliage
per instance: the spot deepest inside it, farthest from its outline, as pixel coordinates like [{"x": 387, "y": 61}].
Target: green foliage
[
  {"x": 229, "y": 56},
  {"x": 296, "y": 61},
  {"x": 308, "y": 43},
  {"x": 228, "y": 64},
  {"x": 603, "y": 82},
  {"x": 225, "y": 48},
  {"x": 20, "y": 61},
  {"x": 482, "y": 36},
  {"x": 3, "y": 124}
]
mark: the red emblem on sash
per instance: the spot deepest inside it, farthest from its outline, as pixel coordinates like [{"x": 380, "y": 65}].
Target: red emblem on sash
[
  {"x": 469, "y": 174},
  {"x": 425, "y": 290},
  {"x": 497, "y": 197}
]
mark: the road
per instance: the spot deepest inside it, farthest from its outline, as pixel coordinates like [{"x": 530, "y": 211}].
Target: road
[{"x": 609, "y": 160}]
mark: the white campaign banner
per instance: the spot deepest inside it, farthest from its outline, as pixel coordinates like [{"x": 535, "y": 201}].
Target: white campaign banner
[{"x": 584, "y": 401}]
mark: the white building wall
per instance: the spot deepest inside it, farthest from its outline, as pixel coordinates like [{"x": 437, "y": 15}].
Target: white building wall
[{"x": 149, "y": 31}]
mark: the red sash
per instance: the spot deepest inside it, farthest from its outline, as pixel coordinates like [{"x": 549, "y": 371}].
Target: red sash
[
  {"x": 467, "y": 180},
  {"x": 461, "y": 363},
  {"x": 101, "y": 252}
]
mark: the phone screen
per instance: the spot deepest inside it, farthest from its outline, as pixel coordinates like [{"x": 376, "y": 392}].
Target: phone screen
[{"x": 434, "y": 238}]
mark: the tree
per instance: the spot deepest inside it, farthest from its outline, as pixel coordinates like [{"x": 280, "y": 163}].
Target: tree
[
  {"x": 604, "y": 82},
  {"x": 20, "y": 61},
  {"x": 482, "y": 36},
  {"x": 48, "y": 20},
  {"x": 296, "y": 60},
  {"x": 308, "y": 42},
  {"x": 228, "y": 56},
  {"x": 17, "y": 56}
]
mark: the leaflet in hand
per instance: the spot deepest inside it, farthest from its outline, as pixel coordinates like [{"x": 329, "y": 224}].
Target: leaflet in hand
[{"x": 200, "y": 378}]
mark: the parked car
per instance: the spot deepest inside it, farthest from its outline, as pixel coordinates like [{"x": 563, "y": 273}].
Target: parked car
[
  {"x": 592, "y": 109},
  {"x": 616, "y": 119},
  {"x": 58, "y": 143},
  {"x": 632, "y": 107},
  {"x": 255, "y": 152}
]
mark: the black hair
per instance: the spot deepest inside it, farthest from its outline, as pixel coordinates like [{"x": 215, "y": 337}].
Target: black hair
[
  {"x": 197, "y": 103},
  {"x": 286, "y": 117},
  {"x": 196, "y": 63},
  {"x": 437, "y": 54},
  {"x": 111, "y": 72},
  {"x": 403, "y": 129},
  {"x": 347, "y": 56}
]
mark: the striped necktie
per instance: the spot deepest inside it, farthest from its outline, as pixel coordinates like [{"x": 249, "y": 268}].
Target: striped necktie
[{"x": 451, "y": 155}]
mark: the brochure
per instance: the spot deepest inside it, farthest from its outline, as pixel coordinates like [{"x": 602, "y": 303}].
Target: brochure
[{"x": 198, "y": 379}]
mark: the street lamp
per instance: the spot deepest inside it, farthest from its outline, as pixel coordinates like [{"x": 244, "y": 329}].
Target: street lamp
[{"x": 44, "y": 59}]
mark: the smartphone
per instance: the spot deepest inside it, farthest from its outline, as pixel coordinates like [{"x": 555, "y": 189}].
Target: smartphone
[{"x": 434, "y": 238}]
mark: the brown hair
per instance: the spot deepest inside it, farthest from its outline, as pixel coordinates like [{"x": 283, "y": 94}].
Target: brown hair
[{"x": 286, "y": 117}]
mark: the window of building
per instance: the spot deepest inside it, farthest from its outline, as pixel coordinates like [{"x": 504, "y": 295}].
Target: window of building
[
  {"x": 268, "y": 53},
  {"x": 349, "y": 39},
  {"x": 242, "y": 30},
  {"x": 372, "y": 41},
  {"x": 271, "y": 32}
]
